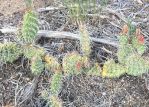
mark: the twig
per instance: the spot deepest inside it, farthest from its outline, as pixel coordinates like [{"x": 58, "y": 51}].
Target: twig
[{"x": 68, "y": 35}]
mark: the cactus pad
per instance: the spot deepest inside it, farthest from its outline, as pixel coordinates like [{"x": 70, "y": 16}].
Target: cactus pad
[
  {"x": 37, "y": 65},
  {"x": 72, "y": 63},
  {"x": 85, "y": 40},
  {"x": 31, "y": 51},
  {"x": 136, "y": 65},
  {"x": 56, "y": 83},
  {"x": 112, "y": 69},
  {"x": 9, "y": 52},
  {"x": 29, "y": 28}
]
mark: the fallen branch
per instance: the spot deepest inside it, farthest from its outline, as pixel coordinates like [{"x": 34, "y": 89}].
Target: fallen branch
[
  {"x": 68, "y": 35},
  {"x": 49, "y": 9}
]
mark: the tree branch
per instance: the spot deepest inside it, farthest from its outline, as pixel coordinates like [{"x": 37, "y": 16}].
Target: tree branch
[{"x": 62, "y": 34}]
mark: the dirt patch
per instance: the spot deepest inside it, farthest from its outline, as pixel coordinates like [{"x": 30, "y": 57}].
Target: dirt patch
[{"x": 8, "y": 7}]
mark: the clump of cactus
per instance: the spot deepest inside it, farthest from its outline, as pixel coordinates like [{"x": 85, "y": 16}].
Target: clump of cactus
[{"x": 130, "y": 59}]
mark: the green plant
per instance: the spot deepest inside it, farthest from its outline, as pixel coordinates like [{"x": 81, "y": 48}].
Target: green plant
[
  {"x": 131, "y": 48},
  {"x": 112, "y": 69},
  {"x": 79, "y": 9},
  {"x": 136, "y": 65},
  {"x": 85, "y": 40},
  {"x": 72, "y": 63},
  {"x": 37, "y": 65},
  {"x": 9, "y": 52},
  {"x": 56, "y": 83}
]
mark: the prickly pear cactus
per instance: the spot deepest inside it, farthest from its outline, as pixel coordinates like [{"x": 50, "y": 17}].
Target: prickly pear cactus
[
  {"x": 112, "y": 69},
  {"x": 30, "y": 27},
  {"x": 77, "y": 9},
  {"x": 55, "y": 101},
  {"x": 31, "y": 51},
  {"x": 56, "y": 83},
  {"x": 51, "y": 63},
  {"x": 37, "y": 65},
  {"x": 85, "y": 40},
  {"x": 136, "y": 65},
  {"x": 9, "y": 52},
  {"x": 95, "y": 70},
  {"x": 72, "y": 63}
]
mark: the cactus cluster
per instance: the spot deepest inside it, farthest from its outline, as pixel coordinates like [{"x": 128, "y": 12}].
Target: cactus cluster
[
  {"x": 130, "y": 59},
  {"x": 129, "y": 53}
]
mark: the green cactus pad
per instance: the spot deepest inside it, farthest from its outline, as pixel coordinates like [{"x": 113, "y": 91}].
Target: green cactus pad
[
  {"x": 31, "y": 51},
  {"x": 124, "y": 52},
  {"x": 112, "y": 69},
  {"x": 72, "y": 63},
  {"x": 123, "y": 40},
  {"x": 136, "y": 65},
  {"x": 139, "y": 47},
  {"x": 29, "y": 28},
  {"x": 37, "y": 65},
  {"x": 85, "y": 40},
  {"x": 9, "y": 52},
  {"x": 56, "y": 83}
]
